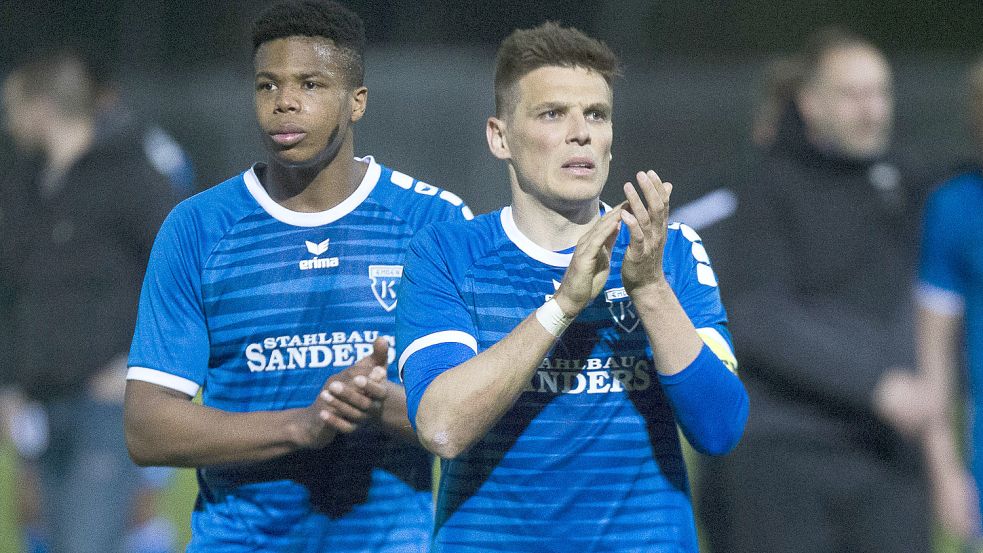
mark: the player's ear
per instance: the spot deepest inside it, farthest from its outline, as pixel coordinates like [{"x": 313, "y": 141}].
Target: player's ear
[
  {"x": 357, "y": 100},
  {"x": 497, "y": 143}
]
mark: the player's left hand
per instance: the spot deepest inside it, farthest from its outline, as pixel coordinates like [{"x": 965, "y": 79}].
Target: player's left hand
[{"x": 642, "y": 264}]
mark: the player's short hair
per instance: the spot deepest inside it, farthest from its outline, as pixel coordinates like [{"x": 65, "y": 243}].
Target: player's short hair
[
  {"x": 823, "y": 42},
  {"x": 316, "y": 18},
  {"x": 62, "y": 77},
  {"x": 549, "y": 44}
]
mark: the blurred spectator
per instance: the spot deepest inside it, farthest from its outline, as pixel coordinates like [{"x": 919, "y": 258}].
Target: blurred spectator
[
  {"x": 87, "y": 210},
  {"x": 823, "y": 250},
  {"x": 950, "y": 298}
]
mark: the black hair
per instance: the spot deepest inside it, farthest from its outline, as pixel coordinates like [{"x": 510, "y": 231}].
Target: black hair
[{"x": 316, "y": 18}]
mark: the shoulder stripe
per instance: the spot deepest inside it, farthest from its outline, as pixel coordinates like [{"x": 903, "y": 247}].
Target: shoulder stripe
[
  {"x": 442, "y": 337},
  {"x": 164, "y": 379}
]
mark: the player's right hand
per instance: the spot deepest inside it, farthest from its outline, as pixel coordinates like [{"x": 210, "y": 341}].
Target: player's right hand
[
  {"x": 344, "y": 403},
  {"x": 591, "y": 264}
]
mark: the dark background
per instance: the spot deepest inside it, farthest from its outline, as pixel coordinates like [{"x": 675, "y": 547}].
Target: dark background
[{"x": 683, "y": 107}]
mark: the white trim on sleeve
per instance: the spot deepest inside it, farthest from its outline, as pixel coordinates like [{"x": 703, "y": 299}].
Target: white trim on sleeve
[
  {"x": 164, "y": 379},
  {"x": 940, "y": 300},
  {"x": 442, "y": 337}
]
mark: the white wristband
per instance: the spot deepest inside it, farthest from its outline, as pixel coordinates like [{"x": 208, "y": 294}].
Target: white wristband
[{"x": 553, "y": 319}]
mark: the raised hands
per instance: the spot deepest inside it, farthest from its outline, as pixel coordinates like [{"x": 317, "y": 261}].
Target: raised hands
[
  {"x": 647, "y": 224},
  {"x": 591, "y": 264},
  {"x": 347, "y": 399}
]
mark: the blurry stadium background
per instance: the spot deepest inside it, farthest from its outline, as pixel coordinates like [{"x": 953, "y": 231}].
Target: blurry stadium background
[{"x": 684, "y": 107}]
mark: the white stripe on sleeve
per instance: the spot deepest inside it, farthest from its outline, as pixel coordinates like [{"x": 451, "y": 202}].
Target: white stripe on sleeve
[{"x": 442, "y": 337}]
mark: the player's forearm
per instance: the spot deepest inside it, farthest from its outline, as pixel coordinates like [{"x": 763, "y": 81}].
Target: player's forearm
[
  {"x": 675, "y": 343},
  {"x": 937, "y": 345},
  {"x": 940, "y": 450},
  {"x": 463, "y": 403},
  {"x": 165, "y": 429},
  {"x": 709, "y": 401},
  {"x": 394, "y": 418}
]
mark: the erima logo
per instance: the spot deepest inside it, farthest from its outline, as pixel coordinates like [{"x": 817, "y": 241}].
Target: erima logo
[{"x": 317, "y": 249}]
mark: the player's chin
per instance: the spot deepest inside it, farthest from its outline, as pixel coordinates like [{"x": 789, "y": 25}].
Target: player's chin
[
  {"x": 582, "y": 189},
  {"x": 295, "y": 158}
]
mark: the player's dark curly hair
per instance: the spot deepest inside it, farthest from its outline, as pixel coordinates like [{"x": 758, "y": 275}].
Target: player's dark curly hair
[
  {"x": 316, "y": 18},
  {"x": 549, "y": 44}
]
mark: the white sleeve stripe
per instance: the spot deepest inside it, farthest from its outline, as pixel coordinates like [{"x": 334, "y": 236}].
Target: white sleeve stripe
[
  {"x": 442, "y": 337},
  {"x": 939, "y": 300},
  {"x": 164, "y": 379}
]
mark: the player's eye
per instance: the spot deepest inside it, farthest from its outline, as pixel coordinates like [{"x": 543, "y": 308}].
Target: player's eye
[
  {"x": 597, "y": 115},
  {"x": 265, "y": 85},
  {"x": 310, "y": 85},
  {"x": 550, "y": 114}
]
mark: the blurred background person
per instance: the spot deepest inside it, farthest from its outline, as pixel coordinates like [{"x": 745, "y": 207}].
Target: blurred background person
[
  {"x": 824, "y": 249},
  {"x": 88, "y": 205},
  {"x": 949, "y": 299}
]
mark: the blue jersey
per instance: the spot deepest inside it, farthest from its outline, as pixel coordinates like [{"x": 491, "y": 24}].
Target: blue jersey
[
  {"x": 588, "y": 458},
  {"x": 951, "y": 281},
  {"x": 258, "y": 306}
]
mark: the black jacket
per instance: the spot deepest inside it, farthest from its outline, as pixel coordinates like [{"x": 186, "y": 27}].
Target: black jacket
[
  {"x": 77, "y": 271},
  {"x": 822, "y": 261}
]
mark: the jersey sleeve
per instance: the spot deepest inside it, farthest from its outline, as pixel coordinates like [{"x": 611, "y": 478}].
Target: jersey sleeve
[
  {"x": 941, "y": 284},
  {"x": 709, "y": 401},
  {"x": 699, "y": 293},
  {"x": 434, "y": 328},
  {"x": 170, "y": 343}
]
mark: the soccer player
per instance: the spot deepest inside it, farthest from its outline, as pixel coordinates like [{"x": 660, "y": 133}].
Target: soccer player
[
  {"x": 950, "y": 298},
  {"x": 262, "y": 293},
  {"x": 549, "y": 349}
]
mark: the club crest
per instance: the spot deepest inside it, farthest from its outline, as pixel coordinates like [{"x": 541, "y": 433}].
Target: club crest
[
  {"x": 622, "y": 309},
  {"x": 384, "y": 281}
]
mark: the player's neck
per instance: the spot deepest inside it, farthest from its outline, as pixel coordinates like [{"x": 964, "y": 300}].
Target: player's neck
[
  {"x": 316, "y": 188},
  {"x": 551, "y": 228}
]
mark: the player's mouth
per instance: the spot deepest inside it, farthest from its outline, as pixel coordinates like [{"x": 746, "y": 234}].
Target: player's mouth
[
  {"x": 579, "y": 166},
  {"x": 288, "y": 135}
]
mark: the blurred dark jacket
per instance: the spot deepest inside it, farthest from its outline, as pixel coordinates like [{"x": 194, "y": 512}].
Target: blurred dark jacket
[
  {"x": 819, "y": 272},
  {"x": 77, "y": 272}
]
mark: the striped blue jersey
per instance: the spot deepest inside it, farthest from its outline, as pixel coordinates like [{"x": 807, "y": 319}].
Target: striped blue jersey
[
  {"x": 588, "y": 459},
  {"x": 257, "y": 306},
  {"x": 951, "y": 282}
]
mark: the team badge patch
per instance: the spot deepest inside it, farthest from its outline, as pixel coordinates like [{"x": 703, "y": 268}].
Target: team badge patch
[
  {"x": 384, "y": 281},
  {"x": 622, "y": 309}
]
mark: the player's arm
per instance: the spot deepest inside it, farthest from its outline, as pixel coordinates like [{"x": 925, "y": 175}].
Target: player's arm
[
  {"x": 461, "y": 404},
  {"x": 164, "y": 426},
  {"x": 954, "y": 491},
  {"x": 692, "y": 375}
]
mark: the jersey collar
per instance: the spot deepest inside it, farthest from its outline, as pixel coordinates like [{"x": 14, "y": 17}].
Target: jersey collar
[{"x": 299, "y": 219}]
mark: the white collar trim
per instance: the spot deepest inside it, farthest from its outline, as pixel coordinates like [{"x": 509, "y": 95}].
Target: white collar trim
[
  {"x": 529, "y": 247},
  {"x": 299, "y": 219}
]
